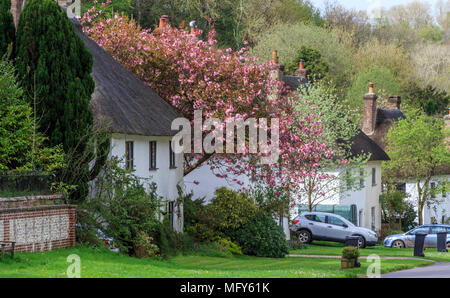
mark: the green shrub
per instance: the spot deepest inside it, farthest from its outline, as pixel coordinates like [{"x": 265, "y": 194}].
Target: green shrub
[
  {"x": 225, "y": 244},
  {"x": 262, "y": 237},
  {"x": 144, "y": 246},
  {"x": 230, "y": 211},
  {"x": 121, "y": 207},
  {"x": 350, "y": 252},
  {"x": 172, "y": 243}
]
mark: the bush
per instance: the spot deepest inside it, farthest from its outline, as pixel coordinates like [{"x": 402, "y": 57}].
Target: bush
[
  {"x": 225, "y": 244},
  {"x": 122, "y": 208},
  {"x": 262, "y": 237},
  {"x": 230, "y": 211},
  {"x": 350, "y": 252},
  {"x": 144, "y": 247}
]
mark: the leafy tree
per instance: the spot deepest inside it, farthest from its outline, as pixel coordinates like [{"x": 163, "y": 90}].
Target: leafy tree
[
  {"x": 417, "y": 149},
  {"x": 7, "y": 28},
  {"x": 429, "y": 99},
  {"x": 322, "y": 183},
  {"x": 393, "y": 205},
  {"x": 55, "y": 66},
  {"x": 21, "y": 146},
  {"x": 385, "y": 84},
  {"x": 313, "y": 63}
]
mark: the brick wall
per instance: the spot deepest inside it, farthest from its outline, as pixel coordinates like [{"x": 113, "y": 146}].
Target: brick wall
[{"x": 38, "y": 228}]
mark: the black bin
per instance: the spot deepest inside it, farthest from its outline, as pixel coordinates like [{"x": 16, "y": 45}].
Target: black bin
[
  {"x": 419, "y": 244},
  {"x": 351, "y": 241},
  {"x": 442, "y": 242}
]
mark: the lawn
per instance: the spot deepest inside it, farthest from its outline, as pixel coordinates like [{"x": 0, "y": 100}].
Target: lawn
[
  {"x": 104, "y": 263},
  {"x": 335, "y": 249}
]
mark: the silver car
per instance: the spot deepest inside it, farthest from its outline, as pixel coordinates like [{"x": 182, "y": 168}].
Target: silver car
[
  {"x": 406, "y": 240},
  {"x": 311, "y": 226}
]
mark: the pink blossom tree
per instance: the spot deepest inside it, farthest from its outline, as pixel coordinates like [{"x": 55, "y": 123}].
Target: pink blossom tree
[{"x": 193, "y": 74}]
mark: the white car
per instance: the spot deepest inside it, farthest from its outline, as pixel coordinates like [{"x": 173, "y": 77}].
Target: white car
[{"x": 311, "y": 226}]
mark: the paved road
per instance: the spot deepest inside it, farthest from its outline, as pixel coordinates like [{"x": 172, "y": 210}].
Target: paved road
[{"x": 440, "y": 270}]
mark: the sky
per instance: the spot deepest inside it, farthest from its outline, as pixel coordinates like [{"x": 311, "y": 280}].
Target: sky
[{"x": 367, "y": 4}]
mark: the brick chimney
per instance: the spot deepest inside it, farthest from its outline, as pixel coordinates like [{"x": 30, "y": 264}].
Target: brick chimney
[
  {"x": 164, "y": 21},
  {"x": 370, "y": 111},
  {"x": 301, "y": 71},
  {"x": 278, "y": 72},
  {"x": 394, "y": 102}
]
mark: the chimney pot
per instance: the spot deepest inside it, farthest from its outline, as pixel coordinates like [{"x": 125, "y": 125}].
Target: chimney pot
[
  {"x": 301, "y": 64},
  {"x": 164, "y": 21},
  {"x": 275, "y": 56}
]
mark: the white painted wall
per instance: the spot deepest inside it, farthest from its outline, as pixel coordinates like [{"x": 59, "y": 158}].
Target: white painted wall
[
  {"x": 165, "y": 178},
  {"x": 436, "y": 210}
]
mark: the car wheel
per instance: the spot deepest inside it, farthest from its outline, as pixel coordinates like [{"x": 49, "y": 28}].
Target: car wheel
[
  {"x": 361, "y": 242},
  {"x": 304, "y": 236},
  {"x": 398, "y": 244},
  {"x": 448, "y": 245}
]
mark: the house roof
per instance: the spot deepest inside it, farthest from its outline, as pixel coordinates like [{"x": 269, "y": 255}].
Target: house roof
[
  {"x": 294, "y": 81},
  {"x": 361, "y": 144},
  {"x": 121, "y": 102}
]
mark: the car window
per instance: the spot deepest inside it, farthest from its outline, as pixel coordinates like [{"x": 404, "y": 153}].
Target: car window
[
  {"x": 421, "y": 230},
  {"x": 315, "y": 217},
  {"x": 435, "y": 230},
  {"x": 335, "y": 221}
]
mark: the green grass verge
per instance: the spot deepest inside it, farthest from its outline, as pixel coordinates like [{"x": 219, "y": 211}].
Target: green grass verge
[
  {"x": 103, "y": 263},
  {"x": 335, "y": 249}
]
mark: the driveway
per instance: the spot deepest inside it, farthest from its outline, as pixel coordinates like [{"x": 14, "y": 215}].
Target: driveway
[{"x": 440, "y": 270}]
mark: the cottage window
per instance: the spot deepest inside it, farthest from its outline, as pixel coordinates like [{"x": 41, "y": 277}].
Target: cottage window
[
  {"x": 152, "y": 155},
  {"x": 170, "y": 213},
  {"x": 129, "y": 155},
  {"x": 171, "y": 156},
  {"x": 433, "y": 190},
  {"x": 361, "y": 178},
  {"x": 372, "y": 213},
  {"x": 374, "y": 177}
]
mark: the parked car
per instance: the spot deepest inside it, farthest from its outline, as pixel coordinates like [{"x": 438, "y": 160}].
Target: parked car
[
  {"x": 310, "y": 226},
  {"x": 406, "y": 240}
]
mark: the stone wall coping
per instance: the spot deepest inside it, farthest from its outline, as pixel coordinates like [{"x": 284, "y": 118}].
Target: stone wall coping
[
  {"x": 32, "y": 198},
  {"x": 36, "y": 208}
]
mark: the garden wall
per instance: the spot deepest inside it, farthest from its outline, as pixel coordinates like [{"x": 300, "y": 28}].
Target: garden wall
[{"x": 37, "y": 227}]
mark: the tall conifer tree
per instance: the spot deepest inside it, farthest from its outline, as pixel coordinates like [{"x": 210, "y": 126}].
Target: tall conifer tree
[
  {"x": 7, "y": 28},
  {"x": 55, "y": 69}
]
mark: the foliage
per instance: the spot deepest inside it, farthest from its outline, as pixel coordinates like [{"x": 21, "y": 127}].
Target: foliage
[
  {"x": 393, "y": 205},
  {"x": 416, "y": 148},
  {"x": 313, "y": 63},
  {"x": 21, "y": 146},
  {"x": 230, "y": 210},
  {"x": 7, "y": 27},
  {"x": 122, "y": 208},
  {"x": 193, "y": 74},
  {"x": 385, "y": 84},
  {"x": 143, "y": 246},
  {"x": 321, "y": 183},
  {"x": 55, "y": 71},
  {"x": 350, "y": 252},
  {"x": 272, "y": 200},
  {"x": 334, "y": 45},
  {"x": 430, "y": 65},
  {"x": 225, "y": 244},
  {"x": 409, "y": 217},
  {"x": 429, "y": 99},
  {"x": 262, "y": 237}
]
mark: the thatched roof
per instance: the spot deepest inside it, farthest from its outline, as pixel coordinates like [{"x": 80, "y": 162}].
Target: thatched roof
[
  {"x": 361, "y": 143},
  {"x": 122, "y": 102}
]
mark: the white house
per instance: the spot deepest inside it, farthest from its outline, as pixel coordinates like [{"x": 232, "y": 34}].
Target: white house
[{"x": 139, "y": 121}]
